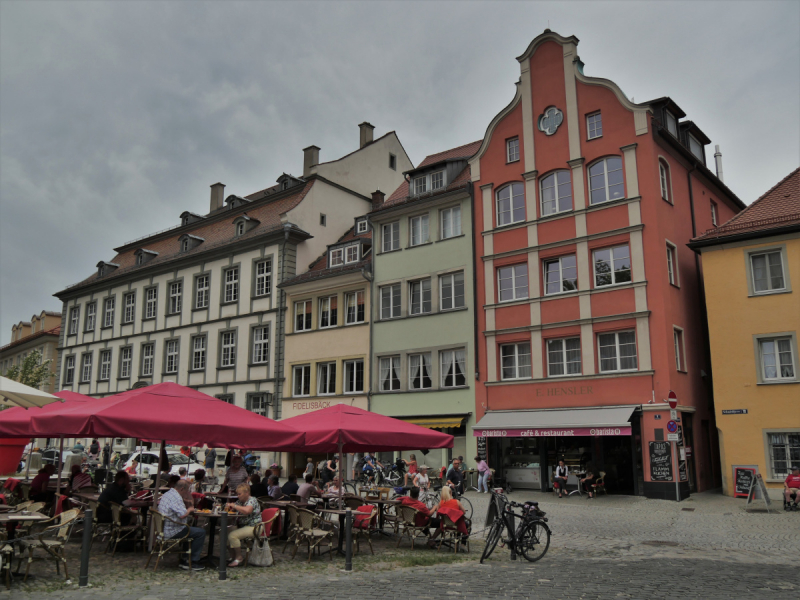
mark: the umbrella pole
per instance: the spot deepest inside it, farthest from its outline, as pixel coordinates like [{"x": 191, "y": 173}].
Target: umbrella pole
[
  {"x": 155, "y": 496},
  {"x": 341, "y": 479},
  {"x": 60, "y": 467}
]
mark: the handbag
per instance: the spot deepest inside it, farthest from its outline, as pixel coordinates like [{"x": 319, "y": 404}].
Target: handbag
[{"x": 261, "y": 554}]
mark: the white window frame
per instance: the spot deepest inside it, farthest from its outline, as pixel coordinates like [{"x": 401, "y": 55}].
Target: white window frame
[
  {"x": 105, "y": 365},
  {"x": 351, "y": 254},
  {"x": 227, "y": 354},
  {"x": 561, "y": 269},
  {"x": 558, "y": 199},
  {"x": 175, "y": 297},
  {"x": 449, "y": 281},
  {"x": 231, "y": 280},
  {"x": 172, "y": 350},
  {"x": 362, "y": 227},
  {"x": 679, "y": 347},
  {"x": 565, "y": 364},
  {"x": 389, "y": 365},
  {"x": 326, "y": 378},
  {"x": 337, "y": 257},
  {"x": 664, "y": 180},
  {"x": 260, "y": 354},
  {"x": 355, "y": 296},
  {"x": 458, "y": 357},
  {"x": 395, "y": 308},
  {"x": 776, "y": 341},
  {"x": 391, "y": 241},
  {"x": 787, "y": 447},
  {"x": 351, "y": 376},
  {"x": 514, "y": 277},
  {"x": 594, "y": 125},
  {"x": 766, "y": 254},
  {"x": 307, "y": 312},
  {"x": 454, "y": 218},
  {"x": 419, "y": 230},
  {"x": 606, "y": 187},
  {"x": 108, "y": 311},
  {"x": 86, "y": 368},
  {"x": 425, "y": 360},
  {"x": 304, "y": 381},
  {"x": 202, "y": 291},
  {"x": 263, "y": 277},
  {"x": 240, "y": 229},
  {"x": 125, "y": 362},
  {"x": 333, "y": 319},
  {"x": 516, "y": 185},
  {"x": 518, "y": 368},
  {"x": 512, "y": 150},
  {"x": 199, "y": 346},
  {"x": 714, "y": 214},
  {"x": 420, "y": 185},
  {"x": 419, "y": 308},
  {"x": 91, "y": 316},
  {"x": 671, "y": 123},
  {"x": 150, "y": 302},
  {"x": 617, "y": 357},
  {"x": 613, "y": 272},
  {"x": 672, "y": 264},
  {"x": 130, "y": 308},
  {"x": 259, "y": 403},
  {"x": 437, "y": 180},
  {"x": 74, "y": 320},
  {"x": 148, "y": 359}
]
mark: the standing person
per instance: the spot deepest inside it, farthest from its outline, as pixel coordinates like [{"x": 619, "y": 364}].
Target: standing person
[
  {"x": 454, "y": 478},
  {"x": 422, "y": 482},
  {"x": 94, "y": 450},
  {"x": 250, "y": 512},
  {"x": 210, "y": 460},
  {"x": 234, "y": 476},
  {"x": 484, "y": 473},
  {"x": 329, "y": 472},
  {"x": 561, "y": 475},
  {"x": 106, "y": 455},
  {"x": 309, "y": 467},
  {"x": 172, "y": 505},
  {"x": 411, "y": 466}
]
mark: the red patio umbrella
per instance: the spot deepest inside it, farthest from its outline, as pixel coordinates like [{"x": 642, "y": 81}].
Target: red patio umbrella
[{"x": 16, "y": 422}]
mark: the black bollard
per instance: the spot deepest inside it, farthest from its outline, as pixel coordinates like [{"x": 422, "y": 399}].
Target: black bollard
[
  {"x": 83, "y": 581},
  {"x": 223, "y": 546},
  {"x": 348, "y": 554}
]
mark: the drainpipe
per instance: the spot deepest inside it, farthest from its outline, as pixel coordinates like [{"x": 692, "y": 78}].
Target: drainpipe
[
  {"x": 279, "y": 351},
  {"x": 470, "y": 190},
  {"x": 370, "y": 278}
]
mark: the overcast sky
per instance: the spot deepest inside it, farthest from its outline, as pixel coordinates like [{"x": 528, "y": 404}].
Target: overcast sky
[{"x": 116, "y": 117}]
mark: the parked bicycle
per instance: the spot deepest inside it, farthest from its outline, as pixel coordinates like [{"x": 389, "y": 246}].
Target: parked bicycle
[{"x": 531, "y": 537}]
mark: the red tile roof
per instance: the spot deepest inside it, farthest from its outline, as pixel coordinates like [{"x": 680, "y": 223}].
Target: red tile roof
[
  {"x": 319, "y": 268},
  {"x": 464, "y": 151},
  {"x": 55, "y": 331},
  {"x": 401, "y": 196},
  {"x": 778, "y": 208}
]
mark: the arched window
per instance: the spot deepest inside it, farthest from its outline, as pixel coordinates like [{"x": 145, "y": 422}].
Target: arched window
[
  {"x": 556, "y": 193},
  {"x": 664, "y": 179},
  {"x": 510, "y": 204},
  {"x": 605, "y": 180}
]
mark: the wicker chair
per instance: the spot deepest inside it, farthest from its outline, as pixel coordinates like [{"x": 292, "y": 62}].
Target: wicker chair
[
  {"x": 365, "y": 524},
  {"x": 6, "y": 556},
  {"x": 352, "y": 502},
  {"x": 52, "y": 539},
  {"x": 310, "y": 532},
  {"x": 25, "y": 527},
  {"x": 450, "y": 534},
  {"x": 262, "y": 530},
  {"x": 408, "y": 525},
  {"x": 120, "y": 532},
  {"x": 600, "y": 484},
  {"x": 292, "y": 526},
  {"x": 162, "y": 545}
]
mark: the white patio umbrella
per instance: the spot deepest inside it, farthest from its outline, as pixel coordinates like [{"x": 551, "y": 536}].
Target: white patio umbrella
[{"x": 13, "y": 393}]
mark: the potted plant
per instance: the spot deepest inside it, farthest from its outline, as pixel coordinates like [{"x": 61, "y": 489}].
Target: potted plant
[{"x": 276, "y": 469}]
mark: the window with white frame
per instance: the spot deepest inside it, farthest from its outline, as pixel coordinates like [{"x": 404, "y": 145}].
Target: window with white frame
[
  {"x": 390, "y": 301},
  {"x": 263, "y": 277},
  {"x": 564, "y": 357},
  {"x": 677, "y": 342},
  {"x": 450, "y": 222},
  {"x": 663, "y": 178},
  {"x": 261, "y": 345},
  {"x": 452, "y": 368},
  {"x": 451, "y": 291},
  {"x": 86, "y": 368},
  {"x": 226, "y": 398},
  {"x": 696, "y": 148},
  {"x": 556, "y": 193},
  {"x": 390, "y": 234},
  {"x": 512, "y": 150},
  {"x": 672, "y": 263},
  {"x": 512, "y": 282},
  {"x": 777, "y": 359},
  {"x": 105, "y": 365},
  {"x": 108, "y": 311},
  {"x": 328, "y": 312},
  {"x": 302, "y": 315},
  {"x": 354, "y": 303},
  {"x": 784, "y": 452},
  {"x": 185, "y": 245},
  {"x": 605, "y": 180},
  {"x": 351, "y": 254},
  {"x": 140, "y": 258},
  {"x": 228, "y": 354},
  {"x": 171, "y": 356},
  {"x": 74, "y": 316},
  {"x": 326, "y": 379},
  {"x": 301, "y": 380},
  {"x": 259, "y": 403},
  {"x": 767, "y": 272},
  {"x": 199, "y": 352},
  {"x": 148, "y": 357},
  {"x": 437, "y": 180},
  {"x": 130, "y": 308},
  {"x": 232, "y": 285},
  {"x": 125, "y": 362},
  {"x": 714, "y": 220},
  {"x": 175, "y": 297},
  {"x": 672, "y": 123},
  {"x": 510, "y": 204},
  {"x": 419, "y": 297},
  {"x": 91, "y": 313},
  {"x": 418, "y": 230},
  {"x": 594, "y": 126},
  {"x": 150, "y": 302},
  {"x": 420, "y": 185},
  {"x": 560, "y": 275},
  {"x": 419, "y": 371},
  {"x": 612, "y": 266},
  {"x": 362, "y": 226},
  {"x": 389, "y": 373},
  {"x": 69, "y": 370},
  {"x": 515, "y": 361},
  {"x": 337, "y": 257},
  {"x": 353, "y": 376},
  {"x": 617, "y": 351},
  {"x": 201, "y": 291},
  {"x": 240, "y": 228}
]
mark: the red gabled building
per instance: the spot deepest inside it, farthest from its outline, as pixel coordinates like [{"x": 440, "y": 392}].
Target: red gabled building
[{"x": 592, "y": 303}]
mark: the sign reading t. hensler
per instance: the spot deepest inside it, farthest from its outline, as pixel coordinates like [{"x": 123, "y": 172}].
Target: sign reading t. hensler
[{"x": 660, "y": 461}]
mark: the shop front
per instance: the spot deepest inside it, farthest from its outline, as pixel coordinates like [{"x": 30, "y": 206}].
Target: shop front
[{"x": 524, "y": 446}]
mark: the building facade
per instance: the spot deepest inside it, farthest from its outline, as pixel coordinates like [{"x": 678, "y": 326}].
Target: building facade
[
  {"x": 198, "y": 304},
  {"x": 591, "y": 300},
  {"x": 39, "y": 334},
  {"x": 423, "y": 348},
  {"x": 749, "y": 266}
]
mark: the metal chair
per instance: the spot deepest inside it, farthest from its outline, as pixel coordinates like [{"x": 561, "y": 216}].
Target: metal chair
[
  {"x": 310, "y": 532},
  {"x": 162, "y": 545},
  {"x": 120, "y": 532},
  {"x": 52, "y": 539},
  {"x": 409, "y": 527}
]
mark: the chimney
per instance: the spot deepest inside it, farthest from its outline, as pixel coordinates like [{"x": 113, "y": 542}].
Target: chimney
[
  {"x": 310, "y": 159},
  {"x": 366, "y": 133},
  {"x": 718, "y": 160},
  {"x": 377, "y": 199},
  {"x": 217, "y": 196}
]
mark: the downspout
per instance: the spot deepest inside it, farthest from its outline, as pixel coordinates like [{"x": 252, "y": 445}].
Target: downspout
[
  {"x": 371, "y": 279},
  {"x": 471, "y": 191},
  {"x": 279, "y": 351}
]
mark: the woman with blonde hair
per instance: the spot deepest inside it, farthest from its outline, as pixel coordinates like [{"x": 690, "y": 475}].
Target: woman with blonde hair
[
  {"x": 450, "y": 506},
  {"x": 250, "y": 512}
]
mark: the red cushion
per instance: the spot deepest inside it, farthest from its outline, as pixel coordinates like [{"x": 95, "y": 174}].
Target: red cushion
[
  {"x": 275, "y": 526},
  {"x": 362, "y": 521}
]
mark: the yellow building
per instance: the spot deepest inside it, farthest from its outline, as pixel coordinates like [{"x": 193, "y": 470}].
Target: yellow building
[{"x": 750, "y": 265}]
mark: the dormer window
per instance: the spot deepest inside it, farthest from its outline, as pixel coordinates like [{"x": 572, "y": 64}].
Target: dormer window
[
  {"x": 188, "y": 242},
  {"x": 362, "y": 226},
  {"x": 696, "y": 147},
  {"x": 672, "y": 123},
  {"x": 140, "y": 259},
  {"x": 242, "y": 224},
  {"x": 104, "y": 268},
  {"x": 437, "y": 180},
  {"x": 144, "y": 256},
  {"x": 185, "y": 220},
  {"x": 240, "y": 228},
  {"x": 185, "y": 245},
  {"x": 351, "y": 254},
  {"x": 285, "y": 184},
  {"x": 431, "y": 182},
  {"x": 420, "y": 185},
  {"x": 337, "y": 257}
]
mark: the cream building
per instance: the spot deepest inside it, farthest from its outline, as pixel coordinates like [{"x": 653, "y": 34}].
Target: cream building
[{"x": 40, "y": 334}]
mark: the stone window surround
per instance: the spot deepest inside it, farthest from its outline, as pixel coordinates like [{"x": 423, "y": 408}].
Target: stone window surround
[
  {"x": 194, "y": 290},
  {"x": 403, "y": 371},
  {"x": 164, "y": 372},
  {"x": 114, "y": 312},
  {"x": 119, "y": 362},
  {"x": 254, "y": 273},
  {"x": 251, "y": 341},
  {"x": 100, "y": 364},
  {"x": 169, "y": 296},
  {"x": 757, "y": 339},
  {"x": 225, "y": 270},
  {"x": 749, "y": 252},
  {"x": 141, "y": 358},
  {"x": 435, "y": 290},
  {"x": 145, "y": 289},
  {"x": 192, "y": 337},
  {"x": 767, "y": 458}
]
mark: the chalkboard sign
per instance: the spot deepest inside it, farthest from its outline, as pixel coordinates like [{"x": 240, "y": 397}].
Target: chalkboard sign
[
  {"x": 660, "y": 461},
  {"x": 743, "y": 480},
  {"x": 758, "y": 491},
  {"x": 682, "y": 470},
  {"x": 482, "y": 448}
]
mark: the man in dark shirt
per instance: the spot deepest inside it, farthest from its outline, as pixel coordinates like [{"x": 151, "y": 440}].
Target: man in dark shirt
[
  {"x": 290, "y": 487},
  {"x": 257, "y": 488},
  {"x": 454, "y": 477},
  {"x": 116, "y": 492}
]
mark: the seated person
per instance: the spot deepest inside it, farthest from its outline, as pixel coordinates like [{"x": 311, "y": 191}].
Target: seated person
[
  {"x": 791, "y": 487},
  {"x": 588, "y": 481},
  {"x": 199, "y": 479},
  {"x": 173, "y": 479},
  {"x": 274, "y": 490},
  {"x": 412, "y": 500},
  {"x": 258, "y": 489},
  {"x": 290, "y": 487},
  {"x": 117, "y": 492},
  {"x": 308, "y": 489},
  {"x": 183, "y": 474},
  {"x": 452, "y": 507},
  {"x": 173, "y": 507},
  {"x": 560, "y": 477},
  {"x": 39, "y": 491},
  {"x": 247, "y": 506},
  {"x": 79, "y": 479},
  {"x": 332, "y": 488}
]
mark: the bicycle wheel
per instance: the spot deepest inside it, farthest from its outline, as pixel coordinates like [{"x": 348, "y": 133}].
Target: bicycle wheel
[
  {"x": 349, "y": 488},
  {"x": 492, "y": 538},
  {"x": 432, "y": 499},
  {"x": 467, "y": 507},
  {"x": 393, "y": 477},
  {"x": 534, "y": 541}
]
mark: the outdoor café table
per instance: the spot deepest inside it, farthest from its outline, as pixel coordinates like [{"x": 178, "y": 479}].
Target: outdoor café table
[
  {"x": 342, "y": 532},
  {"x": 381, "y": 504},
  {"x": 18, "y": 517},
  {"x": 213, "y": 523},
  {"x": 87, "y": 496}
]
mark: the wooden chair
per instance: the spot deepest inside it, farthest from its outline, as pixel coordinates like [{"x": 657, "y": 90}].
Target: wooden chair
[
  {"x": 120, "y": 532},
  {"x": 162, "y": 545},
  {"x": 310, "y": 532},
  {"x": 600, "y": 485},
  {"x": 365, "y": 524},
  {"x": 52, "y": 539},
  {"x": 409, "y": 527},
  {"x": 450, "y": 534},
  {"x": 292, "y": 526},
  {"x": 6, "y": 556}
]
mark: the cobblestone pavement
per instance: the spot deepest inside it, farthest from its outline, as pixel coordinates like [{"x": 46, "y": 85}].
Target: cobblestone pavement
[{"x": 615, "y": 546}]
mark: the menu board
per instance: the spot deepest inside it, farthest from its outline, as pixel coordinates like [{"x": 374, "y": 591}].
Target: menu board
[
  {"x": 482, "y": 448},
  {"x": 758, "y": 491},
  {"x": 682, "y": 470},
  {"x": 660, "y": 461},
  {"x": 743, "y": 478}
]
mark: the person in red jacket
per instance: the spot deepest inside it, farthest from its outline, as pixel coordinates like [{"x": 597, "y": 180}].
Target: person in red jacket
[
  {"x": 412, "y": 501},
  {"x": 791, "y": 487}
]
